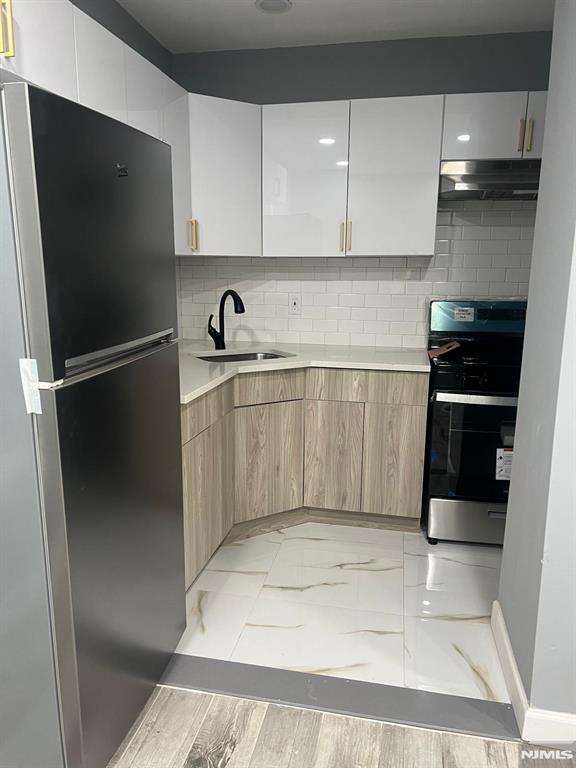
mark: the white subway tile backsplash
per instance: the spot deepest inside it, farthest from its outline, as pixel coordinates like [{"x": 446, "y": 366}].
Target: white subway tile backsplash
[{"x": 483, "y": 248}]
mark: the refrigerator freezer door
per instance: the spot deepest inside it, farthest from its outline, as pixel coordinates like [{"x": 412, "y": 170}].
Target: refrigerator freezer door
[
  {"x": 104, "y": 195},
  {"x": 119, "y": 434}
]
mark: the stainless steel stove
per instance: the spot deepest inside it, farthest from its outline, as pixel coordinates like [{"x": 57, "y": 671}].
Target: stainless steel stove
[{"x": 476, "y": 355}]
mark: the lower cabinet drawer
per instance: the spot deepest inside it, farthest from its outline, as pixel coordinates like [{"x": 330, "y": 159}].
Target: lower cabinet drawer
[
  {"x": 394, "y": 439},
  {"x": 268, "y": 387},
  {"x": 394, "y": 387},
  {"x": 333, "y": 455}
]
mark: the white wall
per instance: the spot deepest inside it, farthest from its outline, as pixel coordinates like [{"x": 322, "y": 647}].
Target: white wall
[
  {"x": 538, "y": 581},
  {"x": 482, "y": 249}
]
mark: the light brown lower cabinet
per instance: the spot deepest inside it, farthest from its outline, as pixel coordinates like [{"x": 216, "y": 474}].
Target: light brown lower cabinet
[
  {"x": 333, "y": 454},
  {"x": 208, "y": 463},
  {"x": 268, "y": 470},
  {"x": 394, "y": 437}
]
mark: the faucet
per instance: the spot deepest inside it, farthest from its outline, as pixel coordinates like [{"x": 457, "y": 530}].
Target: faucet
[{"x": 218, "y": 336}]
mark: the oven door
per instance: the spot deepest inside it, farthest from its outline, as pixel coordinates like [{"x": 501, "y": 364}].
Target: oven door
[{"x": 471, "y": 446}]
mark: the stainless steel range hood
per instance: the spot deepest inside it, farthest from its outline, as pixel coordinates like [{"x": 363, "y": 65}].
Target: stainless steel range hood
[{"x": 489, "y": 179}]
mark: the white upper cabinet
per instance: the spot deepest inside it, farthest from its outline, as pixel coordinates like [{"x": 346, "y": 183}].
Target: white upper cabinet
[
  {"x": 44, "y": 46},
  {"x": 393, "y": 175},
  {"x": 486, "y": 126},
  {"x": 305, "y": 164},
  {"x": 176, "y": 132},
  {"x": 145, "y": 85},
  {"x": 225, "y": 153},
  {"x": 535, "y": 119},
  {"x": 100, "y": 59}
]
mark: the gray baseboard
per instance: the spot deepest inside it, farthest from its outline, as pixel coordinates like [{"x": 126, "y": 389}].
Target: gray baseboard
[{"x": 373, "y": 701}]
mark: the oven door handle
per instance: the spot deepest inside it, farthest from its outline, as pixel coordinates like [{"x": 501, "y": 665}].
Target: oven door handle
[{"x": 464, "y": 399}]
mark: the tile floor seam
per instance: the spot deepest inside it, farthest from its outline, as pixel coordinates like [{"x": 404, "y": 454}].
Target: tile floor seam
[{"x": 255, "y": 599}]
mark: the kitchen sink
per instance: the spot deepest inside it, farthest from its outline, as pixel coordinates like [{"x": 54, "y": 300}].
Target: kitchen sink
[{"x": 232, "y": 357}]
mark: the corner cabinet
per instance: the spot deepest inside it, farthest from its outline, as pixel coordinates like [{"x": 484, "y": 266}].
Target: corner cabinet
[
  {"x": 225, "y": 167},
  {"x": 393, "y": 176},
  {"x": 493, "y": 126}
]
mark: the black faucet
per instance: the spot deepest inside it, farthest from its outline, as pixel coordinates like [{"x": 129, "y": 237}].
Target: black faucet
[{"x": 218, "y": 336}]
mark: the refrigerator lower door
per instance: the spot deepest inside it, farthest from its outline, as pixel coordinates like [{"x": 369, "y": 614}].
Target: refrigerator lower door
[{"x": 120, "y": 457}]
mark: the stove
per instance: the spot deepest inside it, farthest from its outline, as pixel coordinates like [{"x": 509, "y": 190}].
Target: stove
[{"x": 476, "y": 356}]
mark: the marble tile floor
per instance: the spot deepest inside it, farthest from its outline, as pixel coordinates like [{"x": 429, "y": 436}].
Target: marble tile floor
[{"x": 360, "y": 603}]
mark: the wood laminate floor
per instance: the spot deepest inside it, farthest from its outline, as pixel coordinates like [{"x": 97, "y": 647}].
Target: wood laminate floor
[{"x": 188, "y": 729}]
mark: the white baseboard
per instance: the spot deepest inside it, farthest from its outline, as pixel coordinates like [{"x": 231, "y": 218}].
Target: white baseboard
[{"x": 537, "y": 726}]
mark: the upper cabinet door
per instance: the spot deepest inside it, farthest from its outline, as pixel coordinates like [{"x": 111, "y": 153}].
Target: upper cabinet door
[
  {"x": 176, "y": 132},
  {"x": 535, "y": 119},
  {"x": 44, "y": 46},
  {"x": 145, "y": 93},
  {"x": 394, "y": 166},
  {"x": 305, "y": 163},
  {"x": 101, "y": 67},
  {"x": 487, "y": 126},
  {"x": 225, "y": 147}
]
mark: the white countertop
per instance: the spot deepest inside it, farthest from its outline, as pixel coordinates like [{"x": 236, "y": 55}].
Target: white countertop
[{"x": 200, "y": 376}]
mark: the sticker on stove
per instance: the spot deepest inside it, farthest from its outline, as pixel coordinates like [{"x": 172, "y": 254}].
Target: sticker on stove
[
  {"x": 464, "y": 314},
  {"x": 504, "y": 463}
]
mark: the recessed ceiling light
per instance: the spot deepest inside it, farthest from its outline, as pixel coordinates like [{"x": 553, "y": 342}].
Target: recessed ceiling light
[
  {"x": 273, "y": 6},
  {"x": 342, "y": 163},
  {"x": 326, "y": 141},
  {"x": 464, "y": 137}
]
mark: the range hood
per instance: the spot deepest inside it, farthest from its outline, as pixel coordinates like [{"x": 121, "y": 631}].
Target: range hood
[{"x": 489, "y": 179}]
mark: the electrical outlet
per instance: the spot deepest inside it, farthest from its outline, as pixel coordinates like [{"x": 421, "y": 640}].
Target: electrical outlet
[{"x": 295, "y": 304}]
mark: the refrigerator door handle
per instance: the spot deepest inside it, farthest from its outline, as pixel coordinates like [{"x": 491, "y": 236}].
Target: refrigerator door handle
[{"x": 119, "y": 349}]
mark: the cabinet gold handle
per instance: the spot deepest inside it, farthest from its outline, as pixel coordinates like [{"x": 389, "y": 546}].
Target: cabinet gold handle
[
  {"x": 342, "y": 231},
  {"x": 530, "y": 135},
  {"x": 193, "y": 234},
  {"x": 521, "y": 130},
  {"x": 6, "y": 39},
  {"x": 349, "y": 237},
  {"x": 195, "y": 238}
]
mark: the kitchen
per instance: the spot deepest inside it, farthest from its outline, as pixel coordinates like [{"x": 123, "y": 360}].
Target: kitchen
[{"x": 321, "y": 507}]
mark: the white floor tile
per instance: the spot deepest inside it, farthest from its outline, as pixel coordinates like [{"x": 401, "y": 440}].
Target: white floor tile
[
  {"x": 455, "y": 657},
  {"x": 215, "y": 621},
  {"x": 444, "y": 588},
  {"x": 347, "y": 533},
  {"x": 324, "y": 640},
  {"x": 370, "y": 591}
]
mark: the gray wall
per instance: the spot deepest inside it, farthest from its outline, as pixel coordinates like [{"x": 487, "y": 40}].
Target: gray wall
[
  {"x": 538, "y": 581},
  {"x": 118, "y": 21},
  {"x": 29, "y": 718},
  {"x": 503, "y": 62}
]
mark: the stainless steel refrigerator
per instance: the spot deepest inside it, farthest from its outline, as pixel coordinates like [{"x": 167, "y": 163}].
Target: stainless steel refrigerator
[{"x": 91, "y": 208}]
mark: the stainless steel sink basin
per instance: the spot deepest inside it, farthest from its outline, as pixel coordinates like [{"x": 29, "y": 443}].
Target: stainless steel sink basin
[{"x": 232, "y": 357}]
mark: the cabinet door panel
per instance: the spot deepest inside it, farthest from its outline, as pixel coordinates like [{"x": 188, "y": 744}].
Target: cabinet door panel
[
  {"x": 144, "y": 93},
  {"x": 304, "y": 188},
  {"x": 394, "y": 165},
  {"x": 208, "y": 493},
  {"x": 483, "y": 125},
  {"x": 394, "y": 437},
  {"x": 225, "y": 141},
  {"x": 535, "y": 130},
  {"x": 269, "y": 442},
  {"x": 101, "y": 68},
  {"x": 176, "y": 132},
  {"x": 44, "y": 45},
  {"x": 333, "y": 455}
]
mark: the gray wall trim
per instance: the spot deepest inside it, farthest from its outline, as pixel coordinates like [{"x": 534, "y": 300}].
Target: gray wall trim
[
  {"x": 504, "y": 62},
  {"x": 118, "y": 21},
  {"x": 346, "y": 697}
]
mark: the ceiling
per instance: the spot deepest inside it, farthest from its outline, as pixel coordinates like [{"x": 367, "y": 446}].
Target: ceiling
[{"x": 185, "y": 26}]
